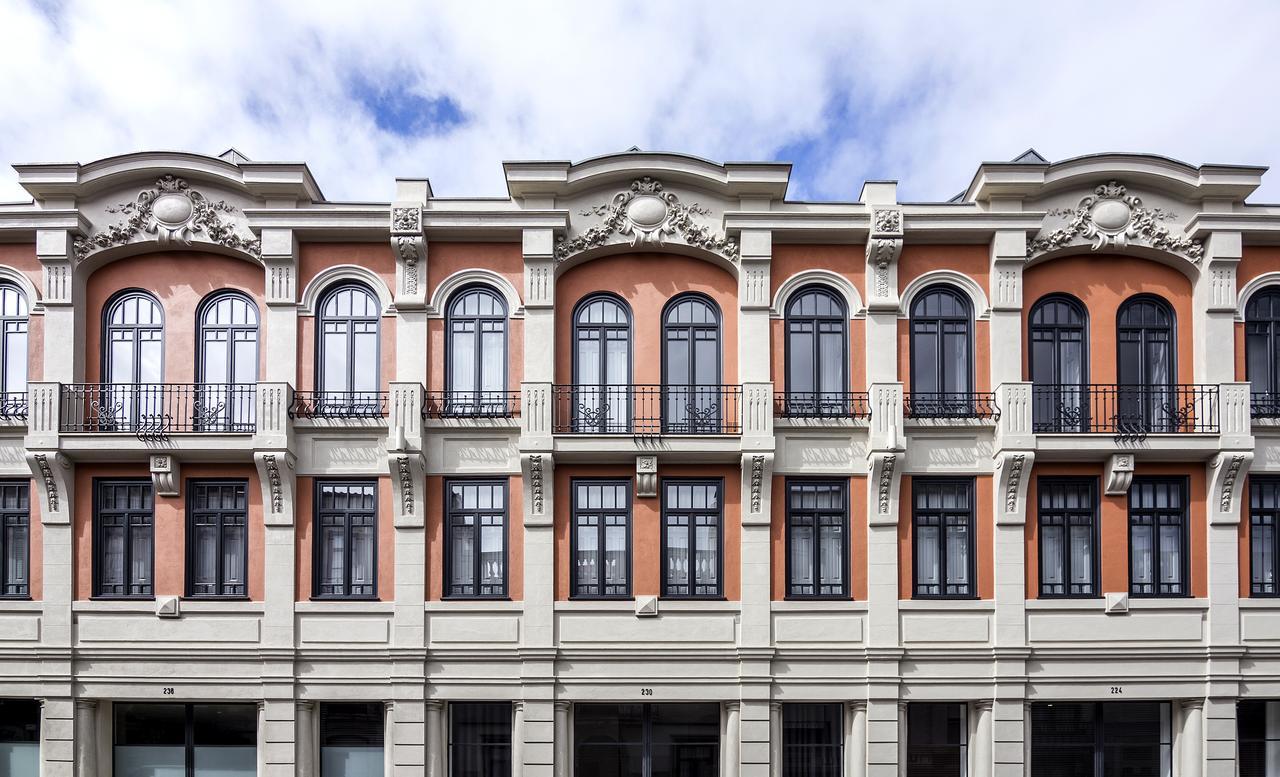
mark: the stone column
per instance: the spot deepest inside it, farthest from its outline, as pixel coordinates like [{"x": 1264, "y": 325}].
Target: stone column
[
  {"x": 86, "y": 733},
  {"x": 435, "y": 738},
  {"x": 732, "y": 738},
  {"x": 855, "y": 739},
  {"x": 775, "y": 738},
  {"x": 1192, "y": 739},
  {"x": 902, "y": 739},
  {"x": 306, "y": 742},
  {"x": 563, "y": 736},
  {"x": 980, "y": 745}
]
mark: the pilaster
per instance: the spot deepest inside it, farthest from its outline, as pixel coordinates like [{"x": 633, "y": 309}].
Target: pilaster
[
  {"x": 884, "y": 246},
  {"x": 1214, "y": 297},
  {"x": 279, "y": 339},
  {"x": 62, "y": 296},
  {"x": 409, "y": 244},
  {"x": 1008, "y": 255}
]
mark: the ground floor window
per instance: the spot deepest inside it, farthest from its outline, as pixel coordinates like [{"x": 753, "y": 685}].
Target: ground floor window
[
  {"x": 653, "y": 740},
  {"x": 19, "y": 737},
  {"x": 1258, "y": 725},
  {"x": 1101, "y": 739},
  {"x": 351, "y": 740},
  {"x": 812, "y": 740},
  {"x": 480, "y": 739},
  {"x": 185, "y": 740},
  {"x": 937, "y": 740}
]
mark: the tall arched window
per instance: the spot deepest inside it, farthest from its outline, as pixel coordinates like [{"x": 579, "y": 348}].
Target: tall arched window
[
  {"x": 13, "y": 349},
  {"x": 817, "y": 351},
  {"x": 133, "y": 350},
  {"x": 348, "y": 356},
  {"x": 1262, "y": 350},
  {"x": 602, "y": 365},
  {"x": 941, "y": 353},
  {"x": 1059, "y": 359},
  {"x": 476, "y": 353},
  {"x": 1145, "y": 366},
  {"x": 691, "y": 365},
  {"x": 227, "y": 365}
]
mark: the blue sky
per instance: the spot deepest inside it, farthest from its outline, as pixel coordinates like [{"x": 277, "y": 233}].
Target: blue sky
[{"x": 918, "y": 92}]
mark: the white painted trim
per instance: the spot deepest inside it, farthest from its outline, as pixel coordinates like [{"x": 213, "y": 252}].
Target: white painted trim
[
  {"x": 978, "y": 297},
  {"x": 818, "y": 277},
  {"x": 461, "y": 278},
  {"x": 34, "y": 303},
  {"x": 1255, "y": 285},
  {"x": 343, "y": 272}
]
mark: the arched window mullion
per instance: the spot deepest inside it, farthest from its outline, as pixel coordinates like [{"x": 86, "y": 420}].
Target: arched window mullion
[
  {"x": 602, "y": 397},
  {"x": 941, "y": 348},
  {"x": 133, "y": 360},
  {"x": 227, "y": 362},
  {"x": 476, "y": 353},
  {"x": 1262, "y": 352},
  {"x": 348, "y": 352},
  {"x": 817, "y": 380},
  {"x": 691, "y": 369},
  {"x": 14, "y": 330},
  {"x": 1146, "y": 367},
  {"x": 1058, "y": 356}
]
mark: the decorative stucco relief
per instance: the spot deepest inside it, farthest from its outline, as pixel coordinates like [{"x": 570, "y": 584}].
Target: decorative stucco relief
[
  {"x": 405, "y": 474},
  {"x": 172, "y": 212},
  {"x": 647, "y": 214},
  {"x": 1113, "y": 218}
]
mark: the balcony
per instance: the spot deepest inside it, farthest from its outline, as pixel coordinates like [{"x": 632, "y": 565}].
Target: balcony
[
  {"x": 822, "y": 405},
  {"x": 950, "y": 405},
  {"x": 153, "y": 411},
  {"x": 1128, "y": 413},
  {"x": 1265, "y": 405},
  {"x": 647, "y": 410},
  {"x": 472, "y": 404},
  {"x": 338, "y": 404},
  {"x": 13, "y": 408}
]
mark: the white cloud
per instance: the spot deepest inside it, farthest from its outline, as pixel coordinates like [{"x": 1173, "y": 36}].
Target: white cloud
[{"x": 919, "y": 92}]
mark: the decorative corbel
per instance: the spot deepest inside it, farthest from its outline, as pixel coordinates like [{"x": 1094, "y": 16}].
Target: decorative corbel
[
  {"x": 409, "y": 478},
  {"x": 277, "y": 478},
  {"x": 1013, "y": 473},
  {"x": 1227, "y": 473},
  {"x": 1119, "y": 474},
  {"x": 56, "y": 474},
  {"x": 646, "y": 476},
  {"x": 757, "y": 472},
  {"x": 884, "y": 246},
  {"x": 166, "y": 477},
  {"x": 538, "y": 470},
  {"x": 885, "y": 479},
  {"x": 410, "y": 246}
]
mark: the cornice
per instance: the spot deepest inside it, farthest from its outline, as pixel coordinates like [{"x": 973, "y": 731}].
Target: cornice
[{"x": 24, "y": 223}]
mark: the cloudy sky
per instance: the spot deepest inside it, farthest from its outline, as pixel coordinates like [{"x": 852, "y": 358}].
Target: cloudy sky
[{"x": 846, "y": 91}]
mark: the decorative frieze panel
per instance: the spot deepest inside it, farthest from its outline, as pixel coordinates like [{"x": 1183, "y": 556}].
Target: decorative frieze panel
[
  {"x": 757, "y": 472},
  {"x": 1113, "y": 219},
  {"x": 885, "y": 478},
  {"x": 408, "y": 478},
  {"x": 538, "y": 471}
]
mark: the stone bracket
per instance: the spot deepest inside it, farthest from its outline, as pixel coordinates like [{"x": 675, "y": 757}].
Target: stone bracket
[
  {"x": 410, "y": 246},
  {"x": 882, "y": 265},
  {"x": 1119, "y": 474},
  {"x": 277, "y": 477},
  {"x": 646, "y": 476},
  {"x": 1227, "y": 473},
  {"x": 884, "y": 480},
  {"x": 409, "y": 479},
  {"x": 757, "y": 484},
  {"x": 1013, "y": 474},
  {"x": 56, "y": 473},
  {"x": 538, "y": 472},
  {"x": 166, "y": 475}
]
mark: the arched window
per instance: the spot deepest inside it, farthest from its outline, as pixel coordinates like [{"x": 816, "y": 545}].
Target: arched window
[
  {"x": 476, "y": 353},
  {"x": 1145, "y": 365},
  {"x": 1262, "y": 350},
  {"x": 817, "y": 351},
  {"x": 691, "y": 366},
  {"x": 13, "y": 349},
  {"x": 133, "y": 349},
  {"x": 1059, "y": 359},
  {"x": 602, "y": 365},
  {"x": 227, "y": 365},
  {"x": 348, "y": 355},
  {"x": 941, "y": 353}
]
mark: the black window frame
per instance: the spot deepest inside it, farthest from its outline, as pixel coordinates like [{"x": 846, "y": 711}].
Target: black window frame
[
  {"x": 108, "y": 327},
  {"x": 350, "y": 391},
  {"x": 918, "y": 482},
  {"x": 796, "y": 760},
  {"x": 1104, "y": 739},
  {"x": 448, "y": 565},
  {"x": 591, "y": 399},
  {"x": 317, "y": 542},
  {"x": 1183, "y": 484},
  {"x": 575, "y": 590},
  {"x": 1043, "y": 484},
  {"x": 15, "y": 518},
  {"x": 325, "y": 709},
  {"x": 816, "y": 401},
  {"x": 1252, "y": 736},
  {"x": 666, "y": 512},
  {"x": 649, "y": 717},
  {"x": 189, "y": 726},
  {"x": 193, "y": 485},
  {"x": 22, "y": 320},
  {"x": 211, "y": 299},
  {"x": 846, "y": 551},
  {"x": 943, "y": 402},
  {"x": 687, "y": 422},
  {"x": 481, "y": 746},
  {"x": 99, "y": 485},
  {"x": 1270, "y": 517},
  {"x": 1059, "y": 406},
  {"x": 915, "y": 748},
  {"x": 477, "y": 396},
  {"x": 1145, "y": 406},
  {"x": 1253, "y": 324}
]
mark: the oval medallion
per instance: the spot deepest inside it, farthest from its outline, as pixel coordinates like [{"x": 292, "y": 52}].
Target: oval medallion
[
  {"x": 172, "y": 209},
  {"x": 647, "y": 210},
  {"x": 1111, "y": 215}
]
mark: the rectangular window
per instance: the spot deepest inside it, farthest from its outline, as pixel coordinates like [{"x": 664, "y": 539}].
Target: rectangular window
[
  {"x": 19, "y": 737},
  {"x": 1068, "y": 510},
  {"x": 15, "y": 539},
  {"x": 692, "y": 538},
  {"x": 1158, "y": 537},
  {"x": 817, "y": 539},
  {"x": 346, "y": 540},
  {"x": 943, "y": 546},
  {"x": 601, "y": 538},
  {"x": 1258, "y": 729},
  {"x": 1264, "y": 518},
  {"x": 191, "y": 740},
  {"x": 812, "y": 740},
  {"x": 655, "y": 740},
  {"x": 1100, "y": 739},
  {"x": 480, "y": 739},
  {"x": 217, "y": 538},
  {"x": 937, "y": 740},
  {"x": 124, "y": 525},
  {"x": 476, "y": 525},
  {"x": 352, "y": 737}
]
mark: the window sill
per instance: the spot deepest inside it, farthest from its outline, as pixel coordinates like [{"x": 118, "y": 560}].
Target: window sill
[
  {"x": 664, "y": 605},
  {"x": 1100, "y": 604},
  {"x": 1260, "y": 603},
  {"x": 475, "y": 605},
  {"x": 321, "y": 606},
  {"x": 948, "y": 605},
  {"x": 21, "y": 605},
  {"x": 818, "y": 605}
]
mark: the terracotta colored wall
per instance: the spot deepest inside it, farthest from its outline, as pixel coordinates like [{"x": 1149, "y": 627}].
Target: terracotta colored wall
[
  {"x": 1254, "y": 261},
  {"x": 304, "y": 514},
  {"x": 843, "y": 260},
  {"x": 984, "y": 523},
  {"x": 23, "y": 259},
  {"x": 972, "y": 260},
  {"x": 170, "y": 521},
  {"x": 646, "y": 524},
  {"x": 180, "y": 280},
  {"x": 857, "y": 537},
  {"x": 647, "y": 282},
  {"x": 1113, "y": 524},
  {"x": 436, "y": 545},
  {"x": 1102, "y": 284}
]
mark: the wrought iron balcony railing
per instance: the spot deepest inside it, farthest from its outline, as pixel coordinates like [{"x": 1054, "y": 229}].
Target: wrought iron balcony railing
[
  {"x": 648, "y": 411},
  {"x": 472, "y": 404},
  {"x": 1126, "y": 412},
  {"x": 821, "y": 404},
  {"x": 338, "y": 404},
  {"x": 152, "y": 411},
  {"x": 13, "y": 407},
  {"x": 950, "y": 405},
  {"x": 1264, "y": 404}
]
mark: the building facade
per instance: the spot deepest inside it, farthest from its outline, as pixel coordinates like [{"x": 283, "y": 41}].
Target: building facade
[{"x": 642, "y": 470}]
